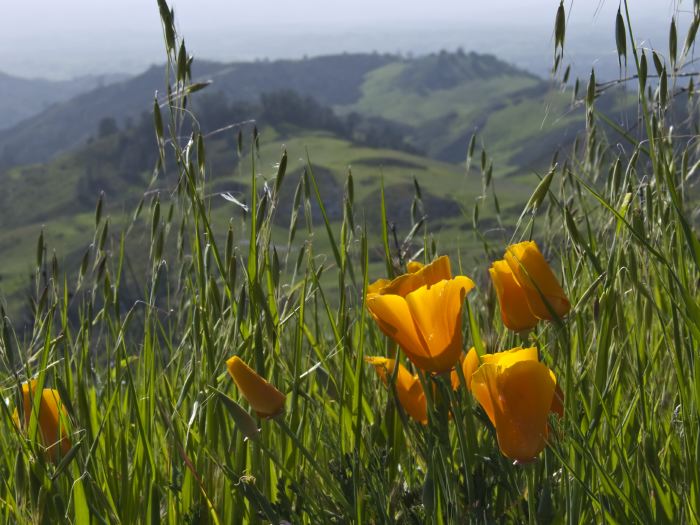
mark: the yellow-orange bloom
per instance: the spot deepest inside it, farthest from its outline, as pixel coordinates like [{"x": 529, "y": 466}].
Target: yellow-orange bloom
[
  {"x": 517, "y": 392},
  {"x": 470, "y": 363},
  {"x": 422, "y": 312},
  {"x": 52, "y": 432},
  {"x": 408, "y": 387},
  {"x": 512, "y": 298},
  {"x": 537, "y": 280},
  {"x": 264, "y": 398}
]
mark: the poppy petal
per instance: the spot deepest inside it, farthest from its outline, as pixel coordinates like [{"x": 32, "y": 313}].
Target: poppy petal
[
  {"x": 429, "y": 275},
  {"x": 470, "y": 364},
  {"x": 512, "y": 298},
  {"x": 437, "y": 312},
  {"x": 394, "y": 319},
  {"x": 414, "y": 266},
  {"x": 52, "y": 431},
  {"x": 408, "y": 387}
]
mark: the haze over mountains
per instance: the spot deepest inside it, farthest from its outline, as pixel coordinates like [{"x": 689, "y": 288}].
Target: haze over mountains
[
  {"x": 438, "y": 100},
  {"x": 22, "y": 98},
  {"x": 77, "y": 37}
]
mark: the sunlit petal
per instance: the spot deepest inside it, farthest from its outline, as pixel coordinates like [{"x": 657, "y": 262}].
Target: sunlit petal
[
  {"x": 512, "y": 298},
  {"x": 525, "y": 397},
  {"x": 512, "y": 356},
  {"x": 470, "y": 363},
  {"x": 394, "y": 319},
  {"x": 377, "y": 286},
  {"x": 517, "y": 393},
  {"x": 429, "y": 275},
  {"x": 414, "y": 266},
  {"x": 437, "y": 312}
]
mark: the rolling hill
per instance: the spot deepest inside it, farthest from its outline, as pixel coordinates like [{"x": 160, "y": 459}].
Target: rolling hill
[
  {"x": 380, "y": 116},
  {"x": 331, "y": 80},
  {"x": 440, "y": 98}
]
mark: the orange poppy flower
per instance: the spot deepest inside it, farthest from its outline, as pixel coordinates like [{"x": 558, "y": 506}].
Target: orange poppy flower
[
  {"x": 52, "y": 431},
  {"x": 408, "y": 387},
  {"x": 402, "y": 285},
  {"x": 544, "y": 294},
  {"x": 517, "y": 392},
  {"x": 422, "y": 313},
  {"x": 264, "y": 398}
]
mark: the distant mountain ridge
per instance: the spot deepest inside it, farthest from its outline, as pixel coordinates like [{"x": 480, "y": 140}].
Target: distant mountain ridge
[
  {"x": 336, "y": 80},
  {"x": 22, "y": 98}
]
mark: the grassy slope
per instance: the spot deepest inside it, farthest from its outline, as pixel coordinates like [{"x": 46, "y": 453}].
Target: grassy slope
[
  {"x": 66, "y": 218},
  {"x": 512, "y": 112}
]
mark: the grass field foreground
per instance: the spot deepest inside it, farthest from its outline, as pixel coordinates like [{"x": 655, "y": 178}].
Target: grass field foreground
[{"x": 148, "y": 418}]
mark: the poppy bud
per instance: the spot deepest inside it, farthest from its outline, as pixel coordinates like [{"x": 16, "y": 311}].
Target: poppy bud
[
  {"x": 52, "y": 432},
  {"x": 264, "y": 398}
]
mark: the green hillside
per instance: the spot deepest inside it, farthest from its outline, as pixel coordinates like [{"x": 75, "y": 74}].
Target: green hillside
[
  {"x": 440, "y": 99},
  {"x": 397, "y": 119},
  {"x": 64, "y": 126},
  {"x": 60, "y": 197},
  {"x": 513, "y": 111}
]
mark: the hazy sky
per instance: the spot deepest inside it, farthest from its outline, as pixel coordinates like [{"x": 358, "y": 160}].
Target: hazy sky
[{"x": 69, "y": 37}]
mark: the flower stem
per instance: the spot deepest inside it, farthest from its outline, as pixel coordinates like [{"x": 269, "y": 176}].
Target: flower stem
[{"x": 531, "y": 496}]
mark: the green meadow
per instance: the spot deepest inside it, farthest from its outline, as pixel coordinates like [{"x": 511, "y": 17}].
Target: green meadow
[{"x": 264, "y": 242}]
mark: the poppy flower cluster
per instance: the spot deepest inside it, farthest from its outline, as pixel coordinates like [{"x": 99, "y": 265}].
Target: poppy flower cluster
[{"x": 422, "y": 312}]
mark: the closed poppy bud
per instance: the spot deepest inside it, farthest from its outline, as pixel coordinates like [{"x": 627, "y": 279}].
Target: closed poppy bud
[
  {"x": 52, "y": 432},
  {"x": 264, "y": 398},
  {"x": 517, "y": 392},
  {"x": 426, "y": 322},
  {"x": 512, "y": 298},
  {"x": 408, "y": 387},
  {"x": 469, "y": 363},
  {"x": 545, "y": 295}
]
